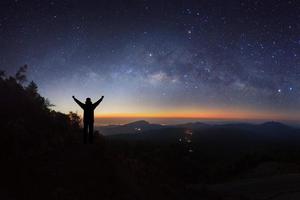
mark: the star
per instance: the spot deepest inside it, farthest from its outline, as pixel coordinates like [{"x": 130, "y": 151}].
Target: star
[{"x": 201, "y": 55}]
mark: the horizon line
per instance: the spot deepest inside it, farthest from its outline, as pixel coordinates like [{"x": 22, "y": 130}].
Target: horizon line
[
  {"x": 199, "y": 117},
  {"x": 205, "y": 121},
  {"x": 146, "y": 118}
]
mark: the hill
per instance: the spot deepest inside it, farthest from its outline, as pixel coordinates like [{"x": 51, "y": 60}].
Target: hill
[
  {"x": 226, "y": 133},
  {"x": 134, "y": 127}
]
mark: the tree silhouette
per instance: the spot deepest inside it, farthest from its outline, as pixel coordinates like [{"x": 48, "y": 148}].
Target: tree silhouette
[
  {"x": 27, "y": 119},
  {"x": 2, "y": 74},
  {"x": 21, "y": 74},
  {"x": 32, "y": 89},
  {"x": 75, "y": 120}
]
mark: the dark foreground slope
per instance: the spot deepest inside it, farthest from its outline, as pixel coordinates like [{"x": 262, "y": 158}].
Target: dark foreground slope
[
  {"x": 157, "y": 165},
  {"x": 280, "y": 187},
  {"x": 85, "y": 172},
  {"x": 114, "y": 169}
]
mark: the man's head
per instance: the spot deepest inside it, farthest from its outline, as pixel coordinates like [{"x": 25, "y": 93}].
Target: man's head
[{"x": 88, "y": 100}]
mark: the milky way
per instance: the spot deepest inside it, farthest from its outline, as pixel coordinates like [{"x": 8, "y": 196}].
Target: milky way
[{"x": 155, "y": 57}]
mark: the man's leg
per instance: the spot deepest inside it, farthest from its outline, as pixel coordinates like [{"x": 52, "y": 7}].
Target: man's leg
[
  {"x": 91, "y": 132},
  {"x": 85, "y": 132}
]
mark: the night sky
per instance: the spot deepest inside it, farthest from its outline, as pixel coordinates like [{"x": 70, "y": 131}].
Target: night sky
[{"x": 193, "y": 59}]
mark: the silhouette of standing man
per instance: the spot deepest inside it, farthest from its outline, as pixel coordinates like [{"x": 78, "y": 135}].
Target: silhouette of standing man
[{"x": 88, "y": 117}]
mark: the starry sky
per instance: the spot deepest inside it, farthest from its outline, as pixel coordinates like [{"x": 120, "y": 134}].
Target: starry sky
[{"x": 205, "y": 59}]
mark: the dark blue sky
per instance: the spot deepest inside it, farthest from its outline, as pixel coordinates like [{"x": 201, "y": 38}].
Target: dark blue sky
[{"x": 214, "y": 59}]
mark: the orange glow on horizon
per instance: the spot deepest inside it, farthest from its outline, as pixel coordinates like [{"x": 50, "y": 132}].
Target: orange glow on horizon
[{"x": 217, "y": 115}]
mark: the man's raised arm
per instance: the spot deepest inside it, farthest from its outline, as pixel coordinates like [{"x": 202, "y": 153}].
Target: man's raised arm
[
  {"x": 97, "y": 102},
  {"x": 78, "y": 102}
]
